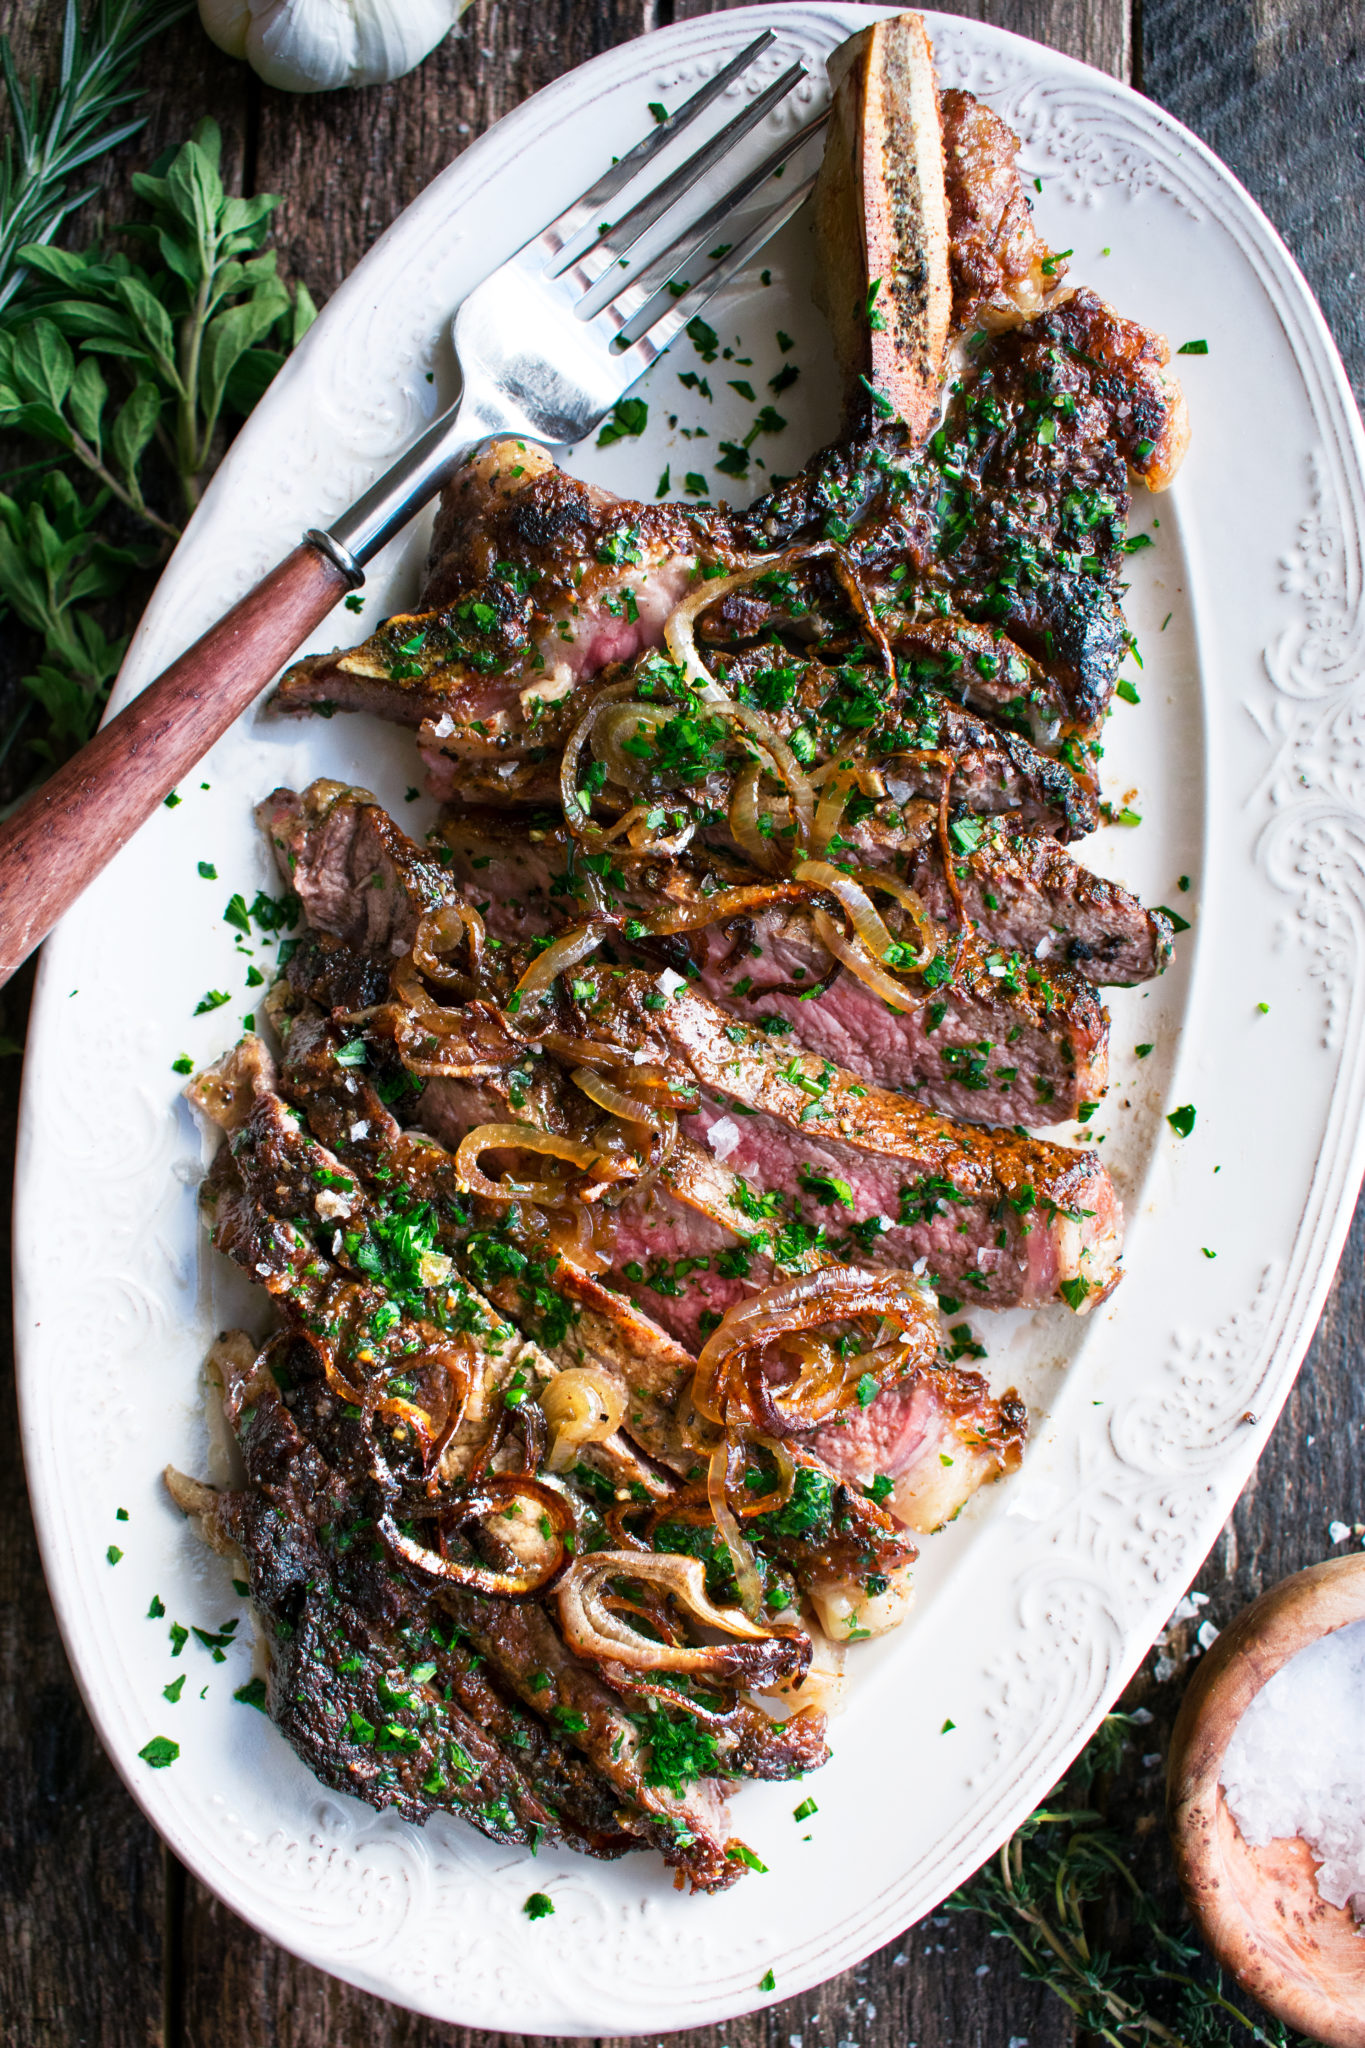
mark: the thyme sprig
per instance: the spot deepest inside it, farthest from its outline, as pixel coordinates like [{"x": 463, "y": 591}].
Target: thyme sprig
[
  {"x": 52, "y": 138},
  {"x": 1035, "y": 1893}
]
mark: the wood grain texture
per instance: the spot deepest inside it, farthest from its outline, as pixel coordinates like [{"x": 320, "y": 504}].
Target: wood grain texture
[
  {"x": 82, "y": 1876},
  {"x": 90, "y": 1916},
  {"x": 1276, "y": 87},
  {"x": 70, "y": 829}
]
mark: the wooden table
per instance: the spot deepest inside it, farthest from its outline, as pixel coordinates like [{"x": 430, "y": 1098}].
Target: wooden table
[{"x": 104, "y": 1940}]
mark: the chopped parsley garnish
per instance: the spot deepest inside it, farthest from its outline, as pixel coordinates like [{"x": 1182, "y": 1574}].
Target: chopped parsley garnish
[
  {"x": 808, "y": 1510},
  {"x": 704, "y": 340},
  {"x": 740, "y": 1852},
  {"x": 539, "y": 1906},
  {"x": 629, "y": 417},
  {"x": 159, "y": 1752},
  {"x": 252, "y": 1694},
  {"x": 680, "y": 1751},
  {"x": 1181, "y": 1120}
]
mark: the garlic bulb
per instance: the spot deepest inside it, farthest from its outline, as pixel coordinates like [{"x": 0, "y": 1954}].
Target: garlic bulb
[{"x": 318, "y": 45}]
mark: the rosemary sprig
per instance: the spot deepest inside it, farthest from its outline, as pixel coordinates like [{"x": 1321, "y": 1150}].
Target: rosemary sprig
[
  {"x": 52, "y": 139},
  {"x": 1035, "y": 1893}
]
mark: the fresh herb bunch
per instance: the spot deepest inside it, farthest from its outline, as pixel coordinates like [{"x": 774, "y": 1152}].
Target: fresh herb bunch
[
  {"x": 52, "y": 139},
  {"x": 125, "y": 370},
  {"x": 1036, "y": 1891},
  {"x": 190, "y": 336}
]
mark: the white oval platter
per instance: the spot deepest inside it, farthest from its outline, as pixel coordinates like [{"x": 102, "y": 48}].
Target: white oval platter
[{"x": 1246, "y": 760}]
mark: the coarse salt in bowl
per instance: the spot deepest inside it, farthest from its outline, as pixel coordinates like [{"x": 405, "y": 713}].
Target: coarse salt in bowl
[{"x": 1296, "y": 1762}]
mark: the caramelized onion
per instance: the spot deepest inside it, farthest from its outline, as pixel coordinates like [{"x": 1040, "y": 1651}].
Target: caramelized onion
[
  {"x": 853, "y": 954},
  {"x": 764, "y": 734},
  {"x": 753, "y": 1327},
  {"x": 641, "y": 837},
  {"x": 470, "y": 1176},
  {"x": 836, "y": 790},
  {"x": 452, "y": 1359},
  {"x": 582, "y": 1406},
  {"x": 748, "y": 1579},
  {"x": 680, "y": 628},
  {"x": 571, "y": 1233},
  {"x": 744, "y": 819},
  {"x": 419, "y": 1006},
  {"x": 450, "y": 928},
  {"x": 592, "y": 1629},
  {"x": 560, "y": 955},
  {"x": 577, "y": 815},
  {"x": 489, "y": 1496},
  {"x": 603, "y": 1091},
  {"x": 864, "y": 951},
  {"x": 852, "y": 898},
  {"x": 910, "y": 903},
  {"x": 769, "y": 1503}
]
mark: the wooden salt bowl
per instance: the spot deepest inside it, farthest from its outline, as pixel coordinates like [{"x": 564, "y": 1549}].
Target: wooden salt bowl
[{"x": 1258, "y": 1909}]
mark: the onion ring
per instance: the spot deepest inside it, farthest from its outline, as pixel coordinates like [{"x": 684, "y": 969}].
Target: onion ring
[
  {"x": 830, "y": 1295},
  {"x": 519, "y": 1138},
  {"x": 582, "y": 1406},
  {"x": 486, "y": 1497},
  {"x": 559, "y": 956},
  {"x": 592, "y": 1630}
]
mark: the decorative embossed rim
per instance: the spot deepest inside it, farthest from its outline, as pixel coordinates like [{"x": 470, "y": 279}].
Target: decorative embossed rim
[{"x": 1059, "y": 1584}]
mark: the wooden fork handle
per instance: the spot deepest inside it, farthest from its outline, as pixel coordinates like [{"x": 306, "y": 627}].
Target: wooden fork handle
[{"x": 74, "y": 825}]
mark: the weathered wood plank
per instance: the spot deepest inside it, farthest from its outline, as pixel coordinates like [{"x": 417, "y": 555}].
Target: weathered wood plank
[
  {"x": 82, "y": 1892},
  {"x": 1277, "y": 88},
  {"x": 350, "y": 162},
  {"x": 1095, "y": 30}
]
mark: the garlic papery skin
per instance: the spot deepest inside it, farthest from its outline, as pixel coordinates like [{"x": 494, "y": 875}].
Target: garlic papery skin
[
  {"x": 322, "y": 45},
  {"x": 226, "y": 22}
]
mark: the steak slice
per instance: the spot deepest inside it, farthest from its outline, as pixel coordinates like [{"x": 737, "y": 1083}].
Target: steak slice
[
  {"x": 365, "y": 1683},
  {"x": 358, "y": 876},
  {"x": 927, "y": 1445},
  {"x": 890, "y": 1152},
  {"x": 1024, "y": 892},
  {"x": 260, "y": 1178},
  {"x": 1003, "y": 271},
  {"x": 536, "y": 581},
  {"x": 987, "y": 1036},
  {"x": 574, "y": 1316},
  {"x": 997, "y": 522},
  {"x": 870, "y": 1158}
]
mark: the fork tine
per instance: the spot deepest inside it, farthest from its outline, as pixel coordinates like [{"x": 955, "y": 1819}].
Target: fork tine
[
  {"x": 652, "y": 336},
  {"x": 626, "y": 232},
  {"x": 567, "y": 225},
  {"x": 682, "y": 253}
]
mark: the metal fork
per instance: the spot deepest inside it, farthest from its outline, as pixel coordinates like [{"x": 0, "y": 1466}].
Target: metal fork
[{"x": 546, "y": 347}]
